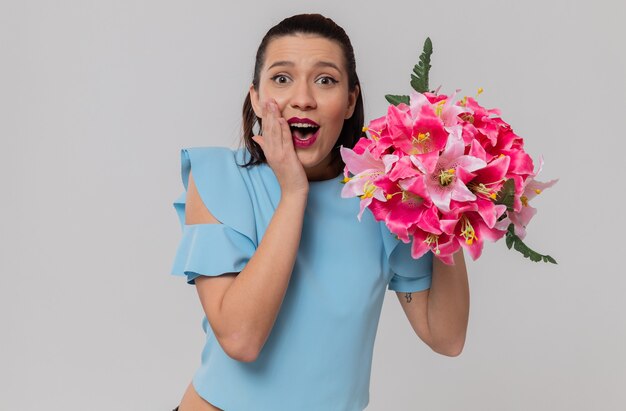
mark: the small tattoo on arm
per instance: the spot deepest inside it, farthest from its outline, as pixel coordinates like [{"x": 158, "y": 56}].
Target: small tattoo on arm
[{"x": 408, "y": 297}]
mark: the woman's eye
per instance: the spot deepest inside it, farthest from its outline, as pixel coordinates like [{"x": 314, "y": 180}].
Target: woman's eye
[
  {"x": 280, "y": 79},
  {"x": 326, "y": 80}
]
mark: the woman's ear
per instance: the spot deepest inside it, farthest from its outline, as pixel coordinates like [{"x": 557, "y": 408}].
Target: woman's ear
[
  {"x": 352, "y": 97},
  {"x": 254, "y": 99}
]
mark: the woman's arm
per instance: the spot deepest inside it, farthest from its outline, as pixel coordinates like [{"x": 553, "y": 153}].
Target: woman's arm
[
  {"x": 242, "y": 308},
  {"x": 440, "y": 314}
]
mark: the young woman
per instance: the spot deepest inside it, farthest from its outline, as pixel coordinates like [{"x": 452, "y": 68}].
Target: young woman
[{"x": 291, "y": 283}]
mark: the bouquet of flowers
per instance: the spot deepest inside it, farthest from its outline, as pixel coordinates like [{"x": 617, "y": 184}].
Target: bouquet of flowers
[{"x": 444, "y": 174}]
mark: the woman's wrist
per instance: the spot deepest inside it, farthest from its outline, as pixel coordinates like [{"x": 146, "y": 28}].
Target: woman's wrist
[{"x": 295, "y": 196}]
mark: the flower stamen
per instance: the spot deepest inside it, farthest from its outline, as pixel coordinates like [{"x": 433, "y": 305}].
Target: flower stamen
[
  {"x": 375, "y": 134},
  {"x": 439, "y": 107},
  {"x": 446, "y": 177},
  {"x": 420, "y": 143},
  {"x": 433, "y": 239},
  {"x": 411, "y": 198},
  {"x": 467, "y": 231},
  {"x": 467, "y": 117},
  {"x": 407, "y": 197},
  {"x": 481, "y": 188},
  {"x": 524, "y": 201},
  {"x": 368, "y": 190}
]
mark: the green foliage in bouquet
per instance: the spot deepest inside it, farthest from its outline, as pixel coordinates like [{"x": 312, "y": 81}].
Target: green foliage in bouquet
[
  {"x": 419, "y": 77},
  {"x": 514, "y": 241},
  {"x": 506, "y": 195}
]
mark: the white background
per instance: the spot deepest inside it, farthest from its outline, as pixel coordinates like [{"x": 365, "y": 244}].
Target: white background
[{"x": 98, "y": 97}]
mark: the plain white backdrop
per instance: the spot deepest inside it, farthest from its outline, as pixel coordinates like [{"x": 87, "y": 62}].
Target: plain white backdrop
[{"x": 98, "y": 97}]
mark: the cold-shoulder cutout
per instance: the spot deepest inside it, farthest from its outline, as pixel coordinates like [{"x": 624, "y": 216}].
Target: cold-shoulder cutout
[
  {"x": 409, "y": 274},
  {"x": 214, "y": 249},
  {"x": 196, "y": 211}
]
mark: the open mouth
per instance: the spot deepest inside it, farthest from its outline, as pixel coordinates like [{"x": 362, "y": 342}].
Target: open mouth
[{"x": 303, "y": 131}]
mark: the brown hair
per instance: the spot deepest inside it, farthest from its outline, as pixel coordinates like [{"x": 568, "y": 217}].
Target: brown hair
[{"x": 319, "y": 25}]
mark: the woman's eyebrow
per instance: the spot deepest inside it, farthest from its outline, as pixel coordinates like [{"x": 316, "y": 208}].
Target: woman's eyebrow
[
  {"x": 281, "y": 63},
  {"x": 291, "y": 64},
  {"x": 327, "y": 64}
]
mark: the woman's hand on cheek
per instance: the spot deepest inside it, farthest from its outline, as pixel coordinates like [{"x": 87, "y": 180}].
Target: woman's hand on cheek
[{"x": 277, "y": 145}]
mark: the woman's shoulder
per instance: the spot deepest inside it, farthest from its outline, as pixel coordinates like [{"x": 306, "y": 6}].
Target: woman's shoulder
[
  {"x": 213, "y": 162},
  {"x": 221, "y": 182},
  {"x": 215, "y": 156},
  {"x": 215, "y": 168}
]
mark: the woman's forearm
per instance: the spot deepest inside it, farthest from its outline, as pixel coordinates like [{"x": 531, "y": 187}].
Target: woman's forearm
[
  {"x": 251, "y": 304},
  {"x": 448, "y": 305}
]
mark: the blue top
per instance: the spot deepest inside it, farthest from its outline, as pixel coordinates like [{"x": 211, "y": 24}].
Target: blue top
[{"x": 318, "y": 355}]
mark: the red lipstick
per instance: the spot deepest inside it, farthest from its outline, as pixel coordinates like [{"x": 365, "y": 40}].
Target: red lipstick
[
  {"x": 293, "y": 120},
  {"x": 304, "y": 131}
]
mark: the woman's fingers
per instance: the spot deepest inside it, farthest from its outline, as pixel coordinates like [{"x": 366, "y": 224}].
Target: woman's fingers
[
  {"x": 276, "y": 141},
  {"x": 280, "y": 126},
  {"x": 269, "y": 124},
  {"x": 276, "y": 126},
  {"x": 286, "y": 131}
]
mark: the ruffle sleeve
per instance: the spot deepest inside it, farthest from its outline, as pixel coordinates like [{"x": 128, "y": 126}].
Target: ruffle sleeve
[
  {"x": 408, "y": 274},
  {"x": 215, "y": 249}
]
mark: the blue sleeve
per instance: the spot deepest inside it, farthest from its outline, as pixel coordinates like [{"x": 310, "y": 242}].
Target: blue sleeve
[
  {"x": 215, "y": 249},
  {"x": 408, "y": 274}
]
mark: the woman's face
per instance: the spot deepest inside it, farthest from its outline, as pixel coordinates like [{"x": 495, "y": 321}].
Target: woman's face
[{"x": 307, "y": 77}]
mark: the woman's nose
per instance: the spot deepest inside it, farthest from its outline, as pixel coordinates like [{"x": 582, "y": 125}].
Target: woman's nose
[{"x": 302, "y": 97}]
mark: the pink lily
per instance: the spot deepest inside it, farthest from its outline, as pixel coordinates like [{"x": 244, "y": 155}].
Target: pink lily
[
  {"x": 366, "y": 169},
  {"x": 469, "y": 229},
  {"x": 381, "y": 139},
  {"x": 406, "y": 205},
  {"x": 417, "y": 130},
  {"x": 442, "y": 245},
  {"x": 486, "y": 184},
  {"x": 481, "y": 120},
  {"x": 444, "y": 106},
  {"x": 445, "y": 183}
]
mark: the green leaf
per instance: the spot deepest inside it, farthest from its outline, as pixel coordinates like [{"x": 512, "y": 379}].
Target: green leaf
[
  {"x": 419, "y": 77},
  {"x": 518, "y": 244},
  {"x": 506, "y": 194},
  {"x": 395, "y": 100},
  {"x": 509, "y": 241},
  {"x": 419, "y": 80},
  {"x": 549, "y": 259}
]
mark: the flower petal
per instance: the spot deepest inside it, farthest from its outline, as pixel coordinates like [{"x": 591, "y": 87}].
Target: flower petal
[
  {"x": 460, "y": 192},
  {"x": 358, "y": 163}
]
